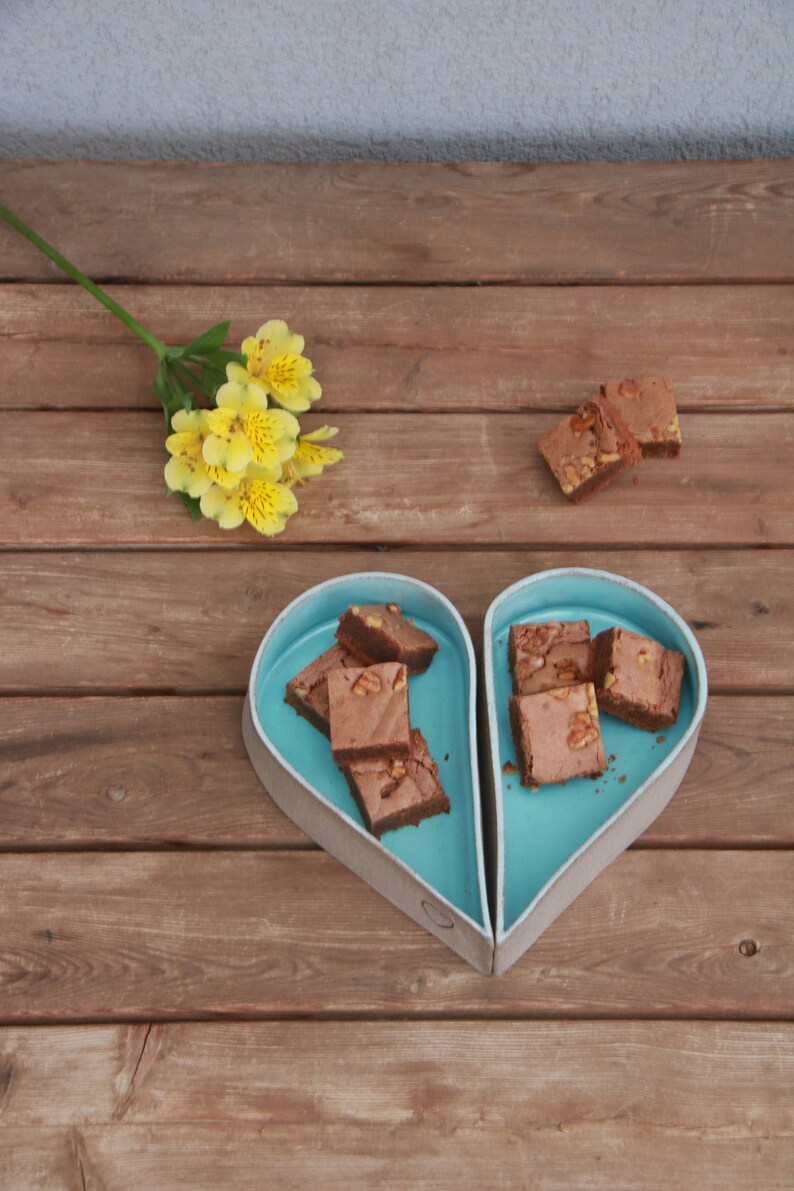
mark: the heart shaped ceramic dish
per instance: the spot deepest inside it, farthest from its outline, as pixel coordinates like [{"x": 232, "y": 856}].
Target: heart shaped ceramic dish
[
  {"x": 546, "y": 846},
  {"x": 434, "y": 872}
]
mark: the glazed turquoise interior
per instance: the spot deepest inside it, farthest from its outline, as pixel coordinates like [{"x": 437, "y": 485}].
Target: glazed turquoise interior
[
  {"x": 442, "y": 850},
  {"x": 543, "y": 828}
]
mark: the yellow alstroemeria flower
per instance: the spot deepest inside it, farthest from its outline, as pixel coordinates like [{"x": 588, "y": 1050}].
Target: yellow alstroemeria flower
[
  {"x": 243, "y": 431},
  {"x": 310, "y": 458},
  {"x": 187, "y": 470},
  {"x": 261, "y": 502},
  {"x": 276, "y": 363}
]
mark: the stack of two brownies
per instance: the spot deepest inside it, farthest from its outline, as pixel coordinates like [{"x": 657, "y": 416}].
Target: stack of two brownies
[
  {"x": 356, "y": 693},
  {"x": 627, "y": 421},
  {"x": 561, "y": 678}
]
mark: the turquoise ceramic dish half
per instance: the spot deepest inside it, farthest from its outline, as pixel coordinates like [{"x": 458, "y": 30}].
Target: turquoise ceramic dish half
[
  {"x": 434, "y": 872},
  {"x": 545, "y": 846}
]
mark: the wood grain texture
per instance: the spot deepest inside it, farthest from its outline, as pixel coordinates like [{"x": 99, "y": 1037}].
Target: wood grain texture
[
  {"x": 166, "y": 622},
  {"x": 457, "y": 479},
  {"x": 552, "y": 1105},
  {"x": 41, "y": 1160},
  {"x": 413, "y": 1156},
  {"x": 511, "y": 1089},
  {"x": 376, "y": 1074},
  {"x": 403, "y": 348},
  {"x": 173, "y": 772},
  {"x": 600, "y": 222},
  {"x": 152, "y": 936}
]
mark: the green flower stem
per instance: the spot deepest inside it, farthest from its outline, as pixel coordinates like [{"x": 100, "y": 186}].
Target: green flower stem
[{"x": 150, "y": 340}]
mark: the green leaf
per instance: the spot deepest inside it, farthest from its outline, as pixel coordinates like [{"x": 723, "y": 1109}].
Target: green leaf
[
  {"x": 164, "y": 393},
  {"x": 192, "y": 504},
  {"x": 173, "y": 395},
  {"x": 187, "y": 376},
  {"x": 209, "y": 341},
  {"x": 221, "y": 357}
]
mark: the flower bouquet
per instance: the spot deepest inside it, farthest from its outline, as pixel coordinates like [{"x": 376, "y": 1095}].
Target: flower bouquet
[{"x": 235, "y": 444}]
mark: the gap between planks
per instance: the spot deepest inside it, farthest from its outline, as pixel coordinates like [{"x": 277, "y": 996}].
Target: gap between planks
[
  {"x": 231, "y": 692},
  {"x": 463, "y": 1017},
  {"x": 266, "y": 549},
  {"x": 413, "y": 282},
  {"x": 723, "y": 411}
]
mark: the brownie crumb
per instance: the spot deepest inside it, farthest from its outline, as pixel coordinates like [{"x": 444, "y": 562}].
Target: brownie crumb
[
  {"x": 509, "y": 768},
  {"x": 613, "y": 756},
  {"x": 446, "y": 756},
  {"x": 661, "y": 739},
  {"x": 622, "y": 778}
]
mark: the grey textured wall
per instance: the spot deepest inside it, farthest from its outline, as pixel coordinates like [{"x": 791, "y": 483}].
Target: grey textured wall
[{"x": 397, "y": 79}]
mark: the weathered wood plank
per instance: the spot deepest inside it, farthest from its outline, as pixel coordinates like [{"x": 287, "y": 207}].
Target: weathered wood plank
[
  {"x": 376, "y": 1074},
  {"x": 97, "y": 479},
  {"x": 500, "y": 348},
  {"x": 563, "y": 1104},
  {"x": 173, "y": 772},
  {"x": 42, "y": 1160},
  {"x": 412, "y": 1156},
  {"x": 593, "y": 1155},
  {"x": 418, "y": 1156},
  {"x": 153, "y": 936},
  {"x": 189, "y": 621},
  {"x": 602, "y": 222}
]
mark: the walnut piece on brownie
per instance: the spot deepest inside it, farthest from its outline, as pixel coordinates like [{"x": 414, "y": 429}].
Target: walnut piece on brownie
[
  {"x": 307, "y": 692},
  {"x": 648, "y": 408},
  {"x": 550, "y": 654},
  {"x": 589, "y": 449},
  {"x": 557, "y": 735},
  {"x": 637, "y": 679},
  {"x": 394, "y": 792},
  {"x": 368, "y": 710},
  {"x": 380, "y": 633}
]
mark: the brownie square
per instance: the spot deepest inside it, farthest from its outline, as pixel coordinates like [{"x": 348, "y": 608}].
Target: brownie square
[
  {"x": 647, "y": 406},
  {"x": 394, "y": 792},
  {"x": 637, "y": 679},
  {"x": 557, "y": 735},
  {"x": 368, "y": 709},
  {"x": 550, "y": 654},
  {"x": 589, "y": 449},
  {"x": 307, "y": 692},
  {"x": 380, "y": 633}
]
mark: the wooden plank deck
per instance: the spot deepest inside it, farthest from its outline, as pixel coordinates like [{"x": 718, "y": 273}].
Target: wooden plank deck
[
  {"x": 440, "y": 1104},
  {"x": 149, "y": 888}
]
